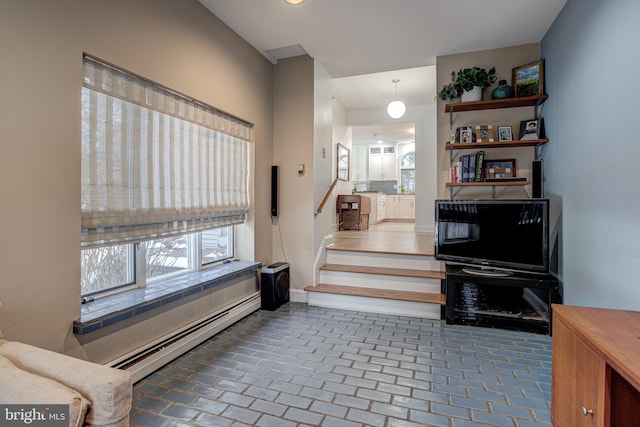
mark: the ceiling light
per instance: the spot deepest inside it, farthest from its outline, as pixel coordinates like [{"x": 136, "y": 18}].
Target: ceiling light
[
  {"x": 396, "y": 109},
  {"x": 294, "y": 1}
]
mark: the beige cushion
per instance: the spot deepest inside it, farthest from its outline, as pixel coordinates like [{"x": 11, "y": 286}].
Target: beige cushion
[
  {"x": 108, "y": 389},
  {"x": 22, "y": 387}
]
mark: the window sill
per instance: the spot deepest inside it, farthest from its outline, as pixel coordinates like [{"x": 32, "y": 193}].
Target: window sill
[{"x": 115, "y": 308}]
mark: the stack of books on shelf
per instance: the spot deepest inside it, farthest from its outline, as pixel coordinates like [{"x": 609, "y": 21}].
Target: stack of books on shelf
[{"x": 468, "y": 168}]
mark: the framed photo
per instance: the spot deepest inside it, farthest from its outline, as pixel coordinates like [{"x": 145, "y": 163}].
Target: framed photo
[
  {"x": 504, "y": 133},
  {"x": 465, "y": 134},
  {"x": 532, "y": 129},
  {"x": 484, "y": 133},
  {"x": 528, "y": 80},
  {"x": 500, "y": 169}
]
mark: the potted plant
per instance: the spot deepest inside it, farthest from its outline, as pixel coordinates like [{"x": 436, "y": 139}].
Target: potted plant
[
  {"x": 469, "y": 82},
  {"x": 450, "y": 92}
]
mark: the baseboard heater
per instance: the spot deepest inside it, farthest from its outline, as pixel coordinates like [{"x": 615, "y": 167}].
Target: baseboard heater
[{"x": 153, "y": 356}]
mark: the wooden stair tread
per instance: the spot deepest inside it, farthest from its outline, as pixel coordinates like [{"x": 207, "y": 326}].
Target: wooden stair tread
[
  {"x": 405, "y": 272},
  {"x": 379, "y": 293},
  {"x": 427, "y": 253}
]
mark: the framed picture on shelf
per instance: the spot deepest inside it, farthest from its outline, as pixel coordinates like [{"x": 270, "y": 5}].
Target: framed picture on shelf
[
  {"x": 532, "y": 129},
  {"x": 484, "y": 133},
  {"x": 465, "y": 134},
  {"x": 500, "y": 169},
  {"x": 528, "y": 80},
  {"x": 504, "y": 133}
]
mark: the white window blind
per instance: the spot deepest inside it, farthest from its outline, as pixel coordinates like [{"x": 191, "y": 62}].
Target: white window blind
[{"x": 155, "y": 163}]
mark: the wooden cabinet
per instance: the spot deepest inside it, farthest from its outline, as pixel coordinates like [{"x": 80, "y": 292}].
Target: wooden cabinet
[
  {"x": 533, "y": 101},
  {"x": 595, "y": 367},
  {"x": 579, "y": 371},
  {"x": 353, "y": 212}
]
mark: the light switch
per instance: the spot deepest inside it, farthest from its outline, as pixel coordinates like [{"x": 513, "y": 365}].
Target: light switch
[{"x": 301, "y": 169}]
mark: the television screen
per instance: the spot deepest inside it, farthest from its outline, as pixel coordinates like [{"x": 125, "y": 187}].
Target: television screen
[{"x": 497, "y": 234}]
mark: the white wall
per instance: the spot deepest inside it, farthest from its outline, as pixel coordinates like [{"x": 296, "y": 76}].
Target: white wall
[
  {"x": 177, "y": 43},
  {"x": 592, "y": 158}
]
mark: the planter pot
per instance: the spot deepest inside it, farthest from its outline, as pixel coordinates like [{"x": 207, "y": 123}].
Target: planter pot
[{"x": 473, "y": 95}]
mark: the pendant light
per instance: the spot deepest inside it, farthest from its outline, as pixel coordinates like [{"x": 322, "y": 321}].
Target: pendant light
[
  {"x": 294, "y": 1},
  {"x": 396, "y": 109}
]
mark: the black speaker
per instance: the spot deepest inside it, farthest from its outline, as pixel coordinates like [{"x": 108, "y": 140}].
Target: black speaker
[
  {"x": 274, "y": 285},
  {"x": 274, "y": 190},
  {"x": 537, "y": 191}
]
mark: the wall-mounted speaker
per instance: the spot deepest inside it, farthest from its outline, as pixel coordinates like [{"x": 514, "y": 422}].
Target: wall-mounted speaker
[
  {"x": 274, "y": 190},
  {"x": 274, "y": 285},
  {"x": 537, "y": 190}
]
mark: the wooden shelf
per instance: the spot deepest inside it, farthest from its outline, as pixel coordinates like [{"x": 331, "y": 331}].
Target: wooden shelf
[
  {"x": 488, "y": 184},
  {"x": 495, "y": 144},
  {"x": 528, "y": 101}
]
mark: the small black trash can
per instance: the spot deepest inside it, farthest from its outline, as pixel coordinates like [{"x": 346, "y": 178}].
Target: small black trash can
[{"x": 274, "y": 285}]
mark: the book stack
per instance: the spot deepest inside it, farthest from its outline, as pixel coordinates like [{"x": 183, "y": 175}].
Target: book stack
[{"x": 468, "y": 168}]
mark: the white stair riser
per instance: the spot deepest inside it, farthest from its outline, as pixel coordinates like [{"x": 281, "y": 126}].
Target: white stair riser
[
  {"x": 369, "y": 259},
  {"x": 380, "y": 281},
  {"x": 375, "y": 305}
]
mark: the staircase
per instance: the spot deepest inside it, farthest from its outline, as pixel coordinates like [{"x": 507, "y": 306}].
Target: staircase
[{"x": 405, "y": 284}]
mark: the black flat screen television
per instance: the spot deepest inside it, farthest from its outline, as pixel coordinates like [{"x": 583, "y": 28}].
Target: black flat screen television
[{"x": 495, "y": 235}]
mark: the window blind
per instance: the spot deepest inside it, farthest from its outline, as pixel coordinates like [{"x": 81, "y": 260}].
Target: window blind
[{"x": 155, "y": 163}]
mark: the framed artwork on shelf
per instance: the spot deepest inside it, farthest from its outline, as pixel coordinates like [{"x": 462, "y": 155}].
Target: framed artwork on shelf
[
  {"x": 484, "y": 133},
  {"x": 528, "y": 80},
  {"x": 532, "y": 129},
  {"x": 465, "y": 134},
  {"x": 504, "y": 133},
  {"x": 500, "y": 169}
]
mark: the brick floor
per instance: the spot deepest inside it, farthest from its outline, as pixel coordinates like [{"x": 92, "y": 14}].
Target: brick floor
[{"x": 310, "y": 366}]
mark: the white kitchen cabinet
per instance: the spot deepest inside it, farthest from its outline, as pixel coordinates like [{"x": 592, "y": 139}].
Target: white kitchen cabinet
[
  {"x": 407, "y": 209},
  {"x": 359, "y": 164},
  {"x": 382, "y": 162},
  {"x": 381, "y": 212},
  {"x": 393, "y": 206}
]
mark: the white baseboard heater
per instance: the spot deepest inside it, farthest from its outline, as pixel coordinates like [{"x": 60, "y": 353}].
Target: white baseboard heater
[{"x": 158, "y": 353}]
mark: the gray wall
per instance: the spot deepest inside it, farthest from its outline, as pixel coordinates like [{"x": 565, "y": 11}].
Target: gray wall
[
  {"x": 592, "y": 159},
  {"x": 177, "y": 43}
]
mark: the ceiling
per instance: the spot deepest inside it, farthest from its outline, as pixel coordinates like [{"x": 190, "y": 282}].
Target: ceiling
[{"x": 365, "y": 44}]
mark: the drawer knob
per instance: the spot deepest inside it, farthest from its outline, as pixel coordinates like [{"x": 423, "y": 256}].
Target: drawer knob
[{"x": 586, "y": 411}]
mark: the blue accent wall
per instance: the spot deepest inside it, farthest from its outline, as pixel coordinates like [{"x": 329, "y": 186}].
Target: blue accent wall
[{"x": 592, "y": 162}]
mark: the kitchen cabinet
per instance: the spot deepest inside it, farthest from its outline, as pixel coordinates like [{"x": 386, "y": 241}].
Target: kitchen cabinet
[
  {"x": 382, "y": 163},
  {"x": 359, "y": 164},
  {"x": 381, "y": 212},
  {"x": 407, "y": 208},
  {"x": 400, "y": 206}
]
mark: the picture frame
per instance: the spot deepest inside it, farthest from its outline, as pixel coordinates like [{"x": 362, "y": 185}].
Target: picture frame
[
  {"x": 465, "y": 134},
  {"x": 484, "y": 133},
  {"x": 504, "y": 133},
  {"x": 343, "y": 162},
  {"x": 528, "y": 79},
  {"x": 500, "y": 169},
  {"x": 532, "y": 129}
]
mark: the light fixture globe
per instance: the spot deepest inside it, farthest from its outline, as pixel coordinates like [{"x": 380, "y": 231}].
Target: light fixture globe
[{"x": 396, "y": 109}]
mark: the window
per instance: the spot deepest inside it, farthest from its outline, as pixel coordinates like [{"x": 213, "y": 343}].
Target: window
[
  {"x": 408, "y": 172},
  {"x": 109, "y": 269},
  {"x": 164, "y": 180}
]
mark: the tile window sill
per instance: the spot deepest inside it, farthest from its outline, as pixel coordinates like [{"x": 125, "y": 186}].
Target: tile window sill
[{"x": 112, "y": 309}]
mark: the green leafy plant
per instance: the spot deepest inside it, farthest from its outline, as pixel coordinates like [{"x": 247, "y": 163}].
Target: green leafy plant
[{"x": 465, "y": 79}]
